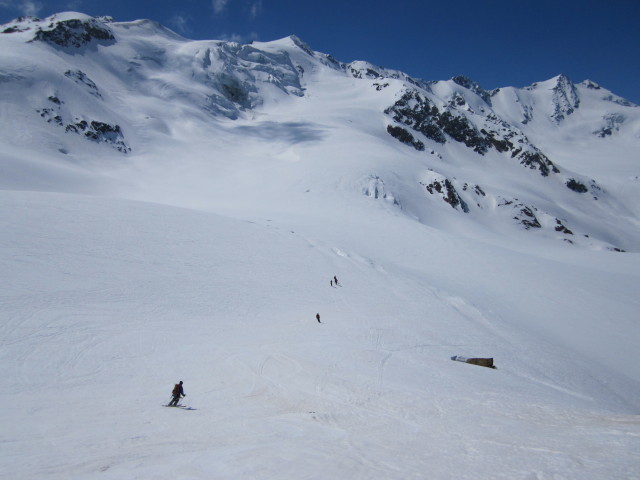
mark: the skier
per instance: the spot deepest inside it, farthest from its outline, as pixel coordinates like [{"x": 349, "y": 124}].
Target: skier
[
  {"x": 335, "y": 280},
  {"x": 318, "y": 317},
  {"x": 177, "y": 391}
]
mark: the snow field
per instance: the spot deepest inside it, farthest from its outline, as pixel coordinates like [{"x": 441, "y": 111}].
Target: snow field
[{"x": 107, "y": 303}]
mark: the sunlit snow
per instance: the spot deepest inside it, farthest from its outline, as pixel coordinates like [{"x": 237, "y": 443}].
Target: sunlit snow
[{"x": 198, "y": 240}]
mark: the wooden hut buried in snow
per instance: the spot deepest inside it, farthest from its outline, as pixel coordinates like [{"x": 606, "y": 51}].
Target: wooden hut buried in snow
[{"x": 483, "y": 362}]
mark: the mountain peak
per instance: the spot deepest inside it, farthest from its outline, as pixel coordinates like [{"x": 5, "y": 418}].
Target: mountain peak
[
  {"x": 562, "y": 79},
  {"x": 300, "y": 44},
  {"x": 565, "y": 98},
  {"x": 564, "y": 95},
  {"x": 591, "y": 85},
  {"x": 475, "y": 87},
  {"x": 66, "y": 29}
]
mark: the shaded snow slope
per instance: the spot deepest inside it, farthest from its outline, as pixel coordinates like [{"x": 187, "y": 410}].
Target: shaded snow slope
[{"x": 107, "y": 303}]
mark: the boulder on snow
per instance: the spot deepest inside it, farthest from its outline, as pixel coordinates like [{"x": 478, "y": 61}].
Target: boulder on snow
[{"x": 483, "y": 362}]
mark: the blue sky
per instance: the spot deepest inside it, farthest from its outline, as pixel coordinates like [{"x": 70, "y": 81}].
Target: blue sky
[{"x": 494, "y": 42}]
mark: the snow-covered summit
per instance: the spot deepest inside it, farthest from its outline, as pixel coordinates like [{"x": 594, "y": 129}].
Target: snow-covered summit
[{"x": 67, "y": 29}]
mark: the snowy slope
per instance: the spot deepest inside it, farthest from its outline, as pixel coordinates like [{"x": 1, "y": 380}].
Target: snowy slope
[
  {"x": 561, "y": 125},
  {"x": 107, "y": 302},
  {"x": 172, "y": 209}
]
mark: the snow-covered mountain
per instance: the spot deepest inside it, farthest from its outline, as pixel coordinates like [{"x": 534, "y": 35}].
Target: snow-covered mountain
[
  {"x": 175, "y": 209},
  {"x": 557, "y": 159}
]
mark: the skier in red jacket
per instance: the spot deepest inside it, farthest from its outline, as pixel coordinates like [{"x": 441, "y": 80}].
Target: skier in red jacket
[{"x": 177, "y": 392}]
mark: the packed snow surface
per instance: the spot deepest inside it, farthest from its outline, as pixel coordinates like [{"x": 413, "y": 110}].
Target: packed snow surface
[{"x": 174, "y": 210}]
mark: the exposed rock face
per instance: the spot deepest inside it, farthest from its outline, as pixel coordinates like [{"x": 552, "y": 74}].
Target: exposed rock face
[
  {"x": 611, "y": 125},
  {"x": 74, "y": 33},
  {"x": 565, "y": 98},
  {"x": 445, "y": 189},
  {"x": 405, "y": 137},
  {"x": 474, "y": 87},
  {"x": 100, "y": 132},
  {"x": 93, "y": 130},
  {"x": 444, "y": 124},
  {"x": 81, "y": 78}
]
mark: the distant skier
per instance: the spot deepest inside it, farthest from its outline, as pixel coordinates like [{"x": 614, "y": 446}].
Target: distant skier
[
  {"x": 335, "y": 280},
  {"x": 331, "y": 283},
  {"x": 177, "y": 392},
  {"x": 318, "y": 317}
]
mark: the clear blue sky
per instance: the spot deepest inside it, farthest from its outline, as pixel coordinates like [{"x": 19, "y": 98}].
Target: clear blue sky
[{"x": 494, "y": 42}]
